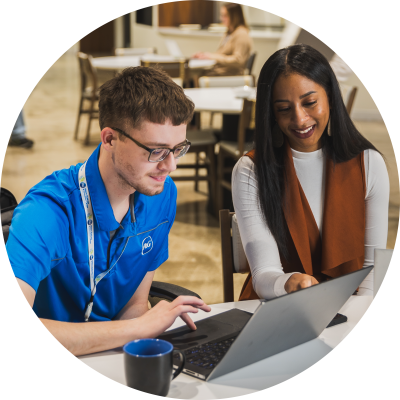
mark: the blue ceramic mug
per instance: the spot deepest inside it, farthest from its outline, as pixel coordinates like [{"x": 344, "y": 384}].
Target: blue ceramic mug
[{"x": 149, "y": 365}]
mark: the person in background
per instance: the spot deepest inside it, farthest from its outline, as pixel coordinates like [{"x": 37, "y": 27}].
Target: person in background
[
  {"x": 312, "y": 197},
  {"x": 231, "y": 57},
  {"x": 18, "y": 138},
  {"x": 235, "y": 48}
]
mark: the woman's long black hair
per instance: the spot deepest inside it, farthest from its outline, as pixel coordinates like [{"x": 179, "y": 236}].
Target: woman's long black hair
[{"x": 344, "y": 144}]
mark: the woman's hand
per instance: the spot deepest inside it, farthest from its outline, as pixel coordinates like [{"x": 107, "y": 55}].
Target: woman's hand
[
  {"x": 162, "y": 316},
  {"x": 202, "y": 56},
  {"x": 299, "y": 281}
]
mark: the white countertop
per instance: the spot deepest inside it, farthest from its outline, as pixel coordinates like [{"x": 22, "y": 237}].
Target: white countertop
[{"x": 254, "y": 33}]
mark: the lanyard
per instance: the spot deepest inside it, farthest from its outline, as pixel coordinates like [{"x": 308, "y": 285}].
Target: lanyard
[{"x": 87, "y": 205}]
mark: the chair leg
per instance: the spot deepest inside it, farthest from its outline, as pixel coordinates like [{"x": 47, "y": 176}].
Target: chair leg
[
  {"x": 197, "y": 117},
  {"x": 220, "y": 177},
  {"x": 86, "y": 142},
  {"x": 212, "y": 119},
  {"x": 196, "y": 81},
  {"x": 212, "y": 182},
  {"x": 78, "y": 120},
  {"x": 91, "y": 110},
  {"x": 196, "y": 172}
]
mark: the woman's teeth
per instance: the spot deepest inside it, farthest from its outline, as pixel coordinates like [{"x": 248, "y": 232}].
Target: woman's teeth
[{"x": 305, "y": 131}]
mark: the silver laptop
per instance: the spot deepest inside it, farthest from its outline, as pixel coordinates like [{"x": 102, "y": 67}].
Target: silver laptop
[
  {"x": 173, "y": 48},
  {"x": 235, "y": 338},
  {"x": 382, "y": 259}
]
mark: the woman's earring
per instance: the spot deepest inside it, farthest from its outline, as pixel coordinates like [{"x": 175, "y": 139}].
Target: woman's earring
[
  {"x": 329, "y": 132},
  {"x": 277, "y": 136}
]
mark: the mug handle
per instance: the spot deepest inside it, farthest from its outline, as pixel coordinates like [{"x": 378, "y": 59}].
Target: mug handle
[{"x": 180, "y": 368}]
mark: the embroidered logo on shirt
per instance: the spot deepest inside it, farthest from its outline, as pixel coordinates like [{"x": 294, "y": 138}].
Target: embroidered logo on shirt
[{"x": 147, "y": 245}]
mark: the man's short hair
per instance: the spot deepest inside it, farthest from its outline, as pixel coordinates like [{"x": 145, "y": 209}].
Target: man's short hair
[{"x": 143, "y": 93}]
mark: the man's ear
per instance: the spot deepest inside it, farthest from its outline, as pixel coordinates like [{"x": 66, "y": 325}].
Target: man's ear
[{"x": 108, "y": 136}]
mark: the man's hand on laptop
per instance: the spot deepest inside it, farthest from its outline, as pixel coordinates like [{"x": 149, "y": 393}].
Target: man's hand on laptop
[
  {"x": 299, "y": 281},
  {"x": 162, "y": 316}
]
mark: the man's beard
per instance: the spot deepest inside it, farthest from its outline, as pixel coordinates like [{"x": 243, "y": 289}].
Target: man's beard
[
  {"x": 129, "y": 185},
  {"x": 141, "y": 188}
]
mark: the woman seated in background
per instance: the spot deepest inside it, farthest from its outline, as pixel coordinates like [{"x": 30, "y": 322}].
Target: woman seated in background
[
  {"x": 234, "y": 49},
  {"x": 311, "y": 198}
]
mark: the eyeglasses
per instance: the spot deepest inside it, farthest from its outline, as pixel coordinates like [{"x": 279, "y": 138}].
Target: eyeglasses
[{"x": 157, "y": 155}]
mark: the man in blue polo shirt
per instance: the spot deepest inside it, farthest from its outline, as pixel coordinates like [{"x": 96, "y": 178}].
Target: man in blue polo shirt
[{"x": 84, "y": 243}]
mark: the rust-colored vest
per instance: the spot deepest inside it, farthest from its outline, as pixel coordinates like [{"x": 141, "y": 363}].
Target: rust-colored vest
[{"x": 340, "y": 248}]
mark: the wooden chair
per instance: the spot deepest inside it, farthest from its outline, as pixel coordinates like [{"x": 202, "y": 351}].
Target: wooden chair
[
  {"x": 89, "y": 93},
  {"x": 202, "y": 141},
  {"x": 250, "y": 63},
  {"x": 233, "y": 256},
  {"x": 234, "y": 150},
  {"x": 349, "y": 95},
  {"x": 136, "y": 51},
  {"x": 175, "y": 69}
]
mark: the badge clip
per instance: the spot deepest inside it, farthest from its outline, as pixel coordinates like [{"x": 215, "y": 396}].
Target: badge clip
[{"x": 88, "y": 311}]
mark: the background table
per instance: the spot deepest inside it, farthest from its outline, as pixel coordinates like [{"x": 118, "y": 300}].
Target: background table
[
  {"x": 257, "y": 376},
  {"x": 120, "y": 62},
  {"x": 222, "y": 100}
]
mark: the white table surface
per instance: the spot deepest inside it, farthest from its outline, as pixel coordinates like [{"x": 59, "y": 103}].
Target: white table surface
[
  {"x": 215, "y": 99},
  {"x": 257, "y": 376},
  {"x": 121, "y": 62}
]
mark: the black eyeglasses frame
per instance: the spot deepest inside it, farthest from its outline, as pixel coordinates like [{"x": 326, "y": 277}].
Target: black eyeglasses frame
[{"x": 186, "y": 143}]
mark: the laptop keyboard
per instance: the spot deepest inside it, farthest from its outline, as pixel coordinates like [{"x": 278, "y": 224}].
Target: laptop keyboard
[{"x": 208, "y": 355}]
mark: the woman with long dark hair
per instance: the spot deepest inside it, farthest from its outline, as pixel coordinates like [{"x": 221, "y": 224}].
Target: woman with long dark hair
[
  {"x": 235, "y": 47},
  {"x": 311, "y": 198}
]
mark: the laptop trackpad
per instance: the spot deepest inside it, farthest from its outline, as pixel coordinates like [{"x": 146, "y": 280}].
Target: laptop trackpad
[{"x": 212, "y": 328}]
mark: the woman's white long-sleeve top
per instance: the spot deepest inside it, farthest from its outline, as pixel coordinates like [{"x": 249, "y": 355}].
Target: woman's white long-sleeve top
[{"x": 259, "y": 244}]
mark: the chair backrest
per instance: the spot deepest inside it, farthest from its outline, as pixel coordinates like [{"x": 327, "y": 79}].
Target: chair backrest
[
  {"x": 7, "y": 200},
  {"x": 3, "y": 239},
  {"x": 250, "y": 63},
  {"x": 4, "y": 236},
  {"x": 136, "y": 51},
  {"x": 233, "y": 256},
  {"x": 88, "y": 73},
  {"x": 7, "y": 206},
  {"x": 349, "y": 95},
  {"x": 246, "y": 121},
  {"x": 226, "y": 81},
  {"x": 8, "y": 203},
  {"x": 175, "y": 69}
]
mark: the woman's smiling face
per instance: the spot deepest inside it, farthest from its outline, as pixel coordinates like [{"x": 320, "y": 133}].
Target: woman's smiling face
[
  {"x": 301, "y": 109},
  {"x": 224, "y": 17}
]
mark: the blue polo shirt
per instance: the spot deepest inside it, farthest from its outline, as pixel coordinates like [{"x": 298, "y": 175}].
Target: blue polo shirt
[{"x": 48, "y": 246}]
